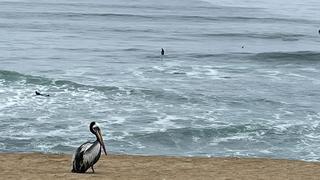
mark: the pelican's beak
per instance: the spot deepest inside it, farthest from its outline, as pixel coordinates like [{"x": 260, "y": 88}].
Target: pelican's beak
[{"x": 100, "y": 139}]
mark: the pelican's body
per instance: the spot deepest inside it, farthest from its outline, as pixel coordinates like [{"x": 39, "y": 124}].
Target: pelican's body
[{"x": 88, "y": 153}]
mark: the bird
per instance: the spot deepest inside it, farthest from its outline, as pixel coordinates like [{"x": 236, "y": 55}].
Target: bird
[
  {"x": 162, "y": 51},
  {"x": 88, "y": 153}
]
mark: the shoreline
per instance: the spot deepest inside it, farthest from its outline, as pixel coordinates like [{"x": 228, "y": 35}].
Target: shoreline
[
  {"x": 161, "y": 156},
  {"x": 58, "y": 166}
]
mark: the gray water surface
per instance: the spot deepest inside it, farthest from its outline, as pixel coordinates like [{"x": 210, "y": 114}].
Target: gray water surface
[{"x": 100, "y": 61}]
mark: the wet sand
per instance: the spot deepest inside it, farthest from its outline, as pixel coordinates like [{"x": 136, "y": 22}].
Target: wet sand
[{"x": 53, "y": 166}]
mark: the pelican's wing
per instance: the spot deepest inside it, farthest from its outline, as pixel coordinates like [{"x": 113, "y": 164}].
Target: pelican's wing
[
  {"x": 78, "y": 163},
  {"x": 92, "y": 154},
  {"x": 82, "y": 149}
]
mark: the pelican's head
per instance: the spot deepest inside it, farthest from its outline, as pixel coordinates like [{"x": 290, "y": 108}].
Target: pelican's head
[{"x": 94, "y": 128}]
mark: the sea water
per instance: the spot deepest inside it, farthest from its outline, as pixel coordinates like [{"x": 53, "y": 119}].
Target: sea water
[{"x": 238, "y": 78}]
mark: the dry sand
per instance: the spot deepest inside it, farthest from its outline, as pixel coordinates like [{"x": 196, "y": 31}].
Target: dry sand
[{"x": 50, "y": 166}]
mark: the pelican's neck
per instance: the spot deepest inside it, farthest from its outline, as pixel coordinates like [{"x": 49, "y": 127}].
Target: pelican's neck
[{"x": 97, "y": 143}]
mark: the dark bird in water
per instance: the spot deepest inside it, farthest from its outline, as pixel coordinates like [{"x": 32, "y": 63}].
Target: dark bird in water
[
  {"x": 242, "y": 47},
  {"x": 40, "y": 94},
  {"x": 319, "y": 31},
  {"x": 162, "y": 51},
  {"x": 88, "y": 153}
]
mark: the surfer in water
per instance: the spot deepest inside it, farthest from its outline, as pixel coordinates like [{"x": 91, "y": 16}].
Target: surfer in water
[
  {"x": 40, "y": 94},
  {"x": 162, "y": 51}
]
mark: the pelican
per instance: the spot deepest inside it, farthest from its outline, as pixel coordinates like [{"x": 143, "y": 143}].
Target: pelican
[{"x": 88, "y": 153}]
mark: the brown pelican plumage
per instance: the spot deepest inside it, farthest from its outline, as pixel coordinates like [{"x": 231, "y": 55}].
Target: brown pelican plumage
[{"x": 88, "y": 153}]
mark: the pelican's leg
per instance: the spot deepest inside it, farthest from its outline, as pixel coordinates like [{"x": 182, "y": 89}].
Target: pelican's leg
[{"x": 92, "y": 169}]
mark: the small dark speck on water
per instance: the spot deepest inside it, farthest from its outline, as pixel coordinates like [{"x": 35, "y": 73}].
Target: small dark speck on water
[{"x": 40, "y": 94}]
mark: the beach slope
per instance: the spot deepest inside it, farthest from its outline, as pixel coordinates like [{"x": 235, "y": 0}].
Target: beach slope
[{"x": 52, "y": 166}]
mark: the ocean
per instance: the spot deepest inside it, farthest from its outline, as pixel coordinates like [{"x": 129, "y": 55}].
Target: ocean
[{"x": 237, "y": 78}]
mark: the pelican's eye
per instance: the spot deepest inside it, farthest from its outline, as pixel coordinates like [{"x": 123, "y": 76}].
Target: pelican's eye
[{"x": 96, "y": 128}]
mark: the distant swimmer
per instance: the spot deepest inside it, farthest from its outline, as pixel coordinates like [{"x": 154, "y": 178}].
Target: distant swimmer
[
  {"x": 40, "y": 94},
  {"x": 319, "y": 31},
  {"x": 242, "y": 47},
  {"x": 162, "y": 51}
]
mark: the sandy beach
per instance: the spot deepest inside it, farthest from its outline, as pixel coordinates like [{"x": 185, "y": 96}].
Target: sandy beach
[{"x": 56, "y": 166}]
